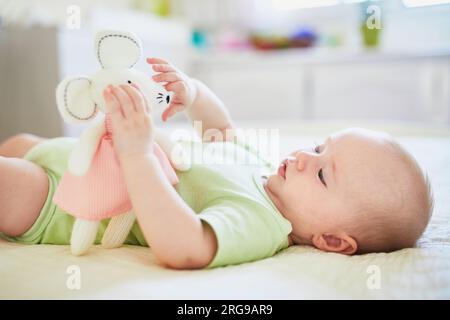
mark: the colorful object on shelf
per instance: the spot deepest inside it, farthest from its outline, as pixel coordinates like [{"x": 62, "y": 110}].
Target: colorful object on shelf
[
  {"x": 332, "y": 40},
  {"x": 158, "y": 7},
  {"x": 302, "y": 38},
  {"x": 161, "y": 7},
  {"x": 199, "y": 39},
  {"x": 232, "y": 40},
  {"x": 371, "y": 24},
  {"x": 371, "y": 37},
  {"x": 269, "y": 42}
]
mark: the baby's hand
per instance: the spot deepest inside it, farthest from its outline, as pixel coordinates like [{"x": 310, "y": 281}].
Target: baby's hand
[
  {"x": 131, "y": 123},
  {"x": 181, "y": 85}
]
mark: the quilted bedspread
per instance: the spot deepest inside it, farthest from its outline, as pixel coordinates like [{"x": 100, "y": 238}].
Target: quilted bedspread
[{"x": 46, "y": 271}]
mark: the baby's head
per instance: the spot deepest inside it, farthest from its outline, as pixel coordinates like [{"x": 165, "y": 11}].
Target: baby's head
[{"x": 357, "y": 192}]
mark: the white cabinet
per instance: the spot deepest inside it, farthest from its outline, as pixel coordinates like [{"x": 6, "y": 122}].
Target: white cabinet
[
  {"x": 394, "y": 90},
  {"x": 313, "y": 85},
  {"x": 253, "y": 93}
]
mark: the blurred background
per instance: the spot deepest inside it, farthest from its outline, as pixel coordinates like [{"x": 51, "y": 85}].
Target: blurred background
[{"x": 278, "y": 63}]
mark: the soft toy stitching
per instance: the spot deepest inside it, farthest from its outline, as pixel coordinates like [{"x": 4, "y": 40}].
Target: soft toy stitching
[
  {"x": 65, "y": 100},
  {"x": 120, "y": 36}
]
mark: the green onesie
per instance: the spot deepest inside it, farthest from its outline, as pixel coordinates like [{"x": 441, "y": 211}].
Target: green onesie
[{"x": 224, "y": 187}]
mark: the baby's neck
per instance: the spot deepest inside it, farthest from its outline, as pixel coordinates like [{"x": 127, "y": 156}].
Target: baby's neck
[
  {"x": 292, "y": 239},
  {"x": 296, "y": 240}
]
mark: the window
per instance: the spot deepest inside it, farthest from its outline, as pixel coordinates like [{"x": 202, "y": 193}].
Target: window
[{"x": 421, "y": 3}]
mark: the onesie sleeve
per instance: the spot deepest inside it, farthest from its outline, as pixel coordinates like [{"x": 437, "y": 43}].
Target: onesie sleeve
[{"x": 245, "y": 232}]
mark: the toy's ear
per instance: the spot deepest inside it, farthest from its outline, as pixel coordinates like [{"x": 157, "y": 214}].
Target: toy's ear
[
  {"x": 74, "y": 99},
  {"x": 117, "y": 49}
]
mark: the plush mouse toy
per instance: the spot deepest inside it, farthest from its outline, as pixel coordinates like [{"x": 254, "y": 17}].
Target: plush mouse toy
[{"x": 93, "y": 188}]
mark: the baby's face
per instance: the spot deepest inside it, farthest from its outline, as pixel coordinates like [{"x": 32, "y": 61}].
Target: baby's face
[{"x": 318, "y": 189}]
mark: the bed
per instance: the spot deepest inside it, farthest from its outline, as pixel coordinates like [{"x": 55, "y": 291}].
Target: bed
[{"x": 45, "y": 271}]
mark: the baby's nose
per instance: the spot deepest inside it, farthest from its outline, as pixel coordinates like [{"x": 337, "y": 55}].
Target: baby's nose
[
  {"x": 301, "y": 159},
  {"x": 293, "y": 161}
]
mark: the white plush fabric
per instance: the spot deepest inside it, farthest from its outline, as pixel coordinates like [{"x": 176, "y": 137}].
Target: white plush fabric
[{"x": 296, "y": 273}]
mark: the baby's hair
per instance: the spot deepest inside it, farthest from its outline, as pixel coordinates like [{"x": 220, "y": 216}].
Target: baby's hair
[{"x": 385, "y": 227}]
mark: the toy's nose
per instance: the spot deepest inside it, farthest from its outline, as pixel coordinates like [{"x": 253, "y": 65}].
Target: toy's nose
[{"x": 167, "y": 99}]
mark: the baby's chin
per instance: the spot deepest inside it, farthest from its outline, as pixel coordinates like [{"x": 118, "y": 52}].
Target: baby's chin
[{"x": 273, "y": 183}]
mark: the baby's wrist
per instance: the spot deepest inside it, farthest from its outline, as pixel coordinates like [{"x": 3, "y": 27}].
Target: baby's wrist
[
  {"x": 133, "y": 158},
  {"x": 195, "y": 89}
]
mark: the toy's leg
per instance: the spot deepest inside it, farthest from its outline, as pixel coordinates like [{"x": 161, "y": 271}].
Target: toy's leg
[
  {"x": 178, "y": 157},
  {"x": 118, "y": 229},
  {"x": 83, "y": 236}
]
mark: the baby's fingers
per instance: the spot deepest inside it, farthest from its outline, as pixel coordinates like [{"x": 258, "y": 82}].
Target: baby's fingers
[
  {"x": 113, "y": 108},
  {"x": 179, "y": 87},
  {"x": 163, "y": 68},
  {"x": 147, "y": 108},
  {"x": 136, "y": 97},
  {"x": 170, "y": 111},
  {"x": 124, "y": 99},
  {"x": 157, "y": 60},
  {"x": 167, "y": 77},
  {"x": 112, "y": 104}
]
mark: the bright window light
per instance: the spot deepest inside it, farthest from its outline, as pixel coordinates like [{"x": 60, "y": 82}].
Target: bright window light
[
  {"x": 422, "y": 3},
  {"x": 353, "y": 1},
  {"x": 301, "y": 4}
]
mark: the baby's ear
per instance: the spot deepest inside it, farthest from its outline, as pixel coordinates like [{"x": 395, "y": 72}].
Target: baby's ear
[
  {"x": 74, "y": 99},
  {"x": 339, "y": 243},
  {"x": 117, "y": 49}
]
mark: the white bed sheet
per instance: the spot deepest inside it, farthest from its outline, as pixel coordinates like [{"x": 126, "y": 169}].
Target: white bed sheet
[{"x": 32, "y": 272}]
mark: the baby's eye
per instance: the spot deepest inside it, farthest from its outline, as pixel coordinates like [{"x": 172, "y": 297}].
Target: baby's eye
[{"x": 320, "y": 174}]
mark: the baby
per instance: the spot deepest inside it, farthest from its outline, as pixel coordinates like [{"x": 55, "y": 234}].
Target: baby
[{"x": 358, "y": 192}]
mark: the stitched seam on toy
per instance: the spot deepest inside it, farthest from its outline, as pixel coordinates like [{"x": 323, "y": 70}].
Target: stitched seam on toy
[
  {"x": 120, "y": 36},
  {"x": 65, "y": 100}
]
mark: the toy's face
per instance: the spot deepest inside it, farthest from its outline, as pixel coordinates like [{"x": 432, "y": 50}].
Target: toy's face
[
  {"x": 156, "y": 95},
  {"x": 79, "y": 98}
]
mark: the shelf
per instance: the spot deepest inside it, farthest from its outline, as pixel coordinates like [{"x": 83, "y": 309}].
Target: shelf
[{"x": 311, "y": 56}]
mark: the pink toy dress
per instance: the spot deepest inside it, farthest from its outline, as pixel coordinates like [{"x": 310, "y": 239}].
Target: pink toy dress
[{"x": 101, "y": 192}]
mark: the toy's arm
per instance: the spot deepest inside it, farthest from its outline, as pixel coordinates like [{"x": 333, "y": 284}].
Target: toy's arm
[{"x": 83, "y": 153}]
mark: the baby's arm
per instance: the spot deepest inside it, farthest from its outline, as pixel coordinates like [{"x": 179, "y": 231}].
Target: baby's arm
[
  {"x": 174, "y": 232},
  {"x": 172, "y": 229},
  {"x": 192, "y": 96},
  {"x": 211, "y": 111}
]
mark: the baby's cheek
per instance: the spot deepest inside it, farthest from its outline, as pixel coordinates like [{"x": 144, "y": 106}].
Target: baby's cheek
[{"x": 296, "y": 199}]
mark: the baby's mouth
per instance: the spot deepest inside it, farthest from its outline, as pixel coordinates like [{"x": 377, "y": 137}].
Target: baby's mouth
[{"x": 282, "y": 169}]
